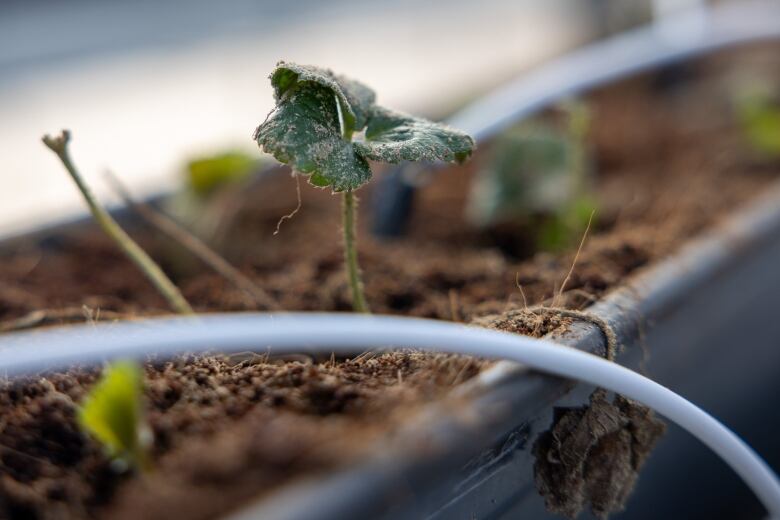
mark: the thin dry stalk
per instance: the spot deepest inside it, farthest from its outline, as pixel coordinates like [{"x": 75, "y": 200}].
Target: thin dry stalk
[
  {"x": 193, "y": 244},
  {"x": 454, "y": 305},
  {"x": 522, "y": 292}
]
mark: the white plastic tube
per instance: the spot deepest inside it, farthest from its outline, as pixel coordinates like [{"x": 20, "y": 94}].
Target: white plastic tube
[
  {"x": 619, "y": 56},
  {"x": 31, "y": 352}
]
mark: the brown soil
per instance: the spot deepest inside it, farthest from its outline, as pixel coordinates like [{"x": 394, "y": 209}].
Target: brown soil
[{"x": 669, "y": 163}]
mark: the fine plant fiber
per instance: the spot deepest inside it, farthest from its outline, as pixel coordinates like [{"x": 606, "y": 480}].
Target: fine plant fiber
[{"x": 574, "y": 261}]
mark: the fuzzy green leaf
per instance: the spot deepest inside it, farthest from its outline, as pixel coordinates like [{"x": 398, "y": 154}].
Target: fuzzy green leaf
[
  {"x": 112, "y": 412},
  {"x": 317, "y": 112},
  {"x": 394, "y": 137},
  {"x": 356, "y": 99},
  {"x": 305, "y": 133}
]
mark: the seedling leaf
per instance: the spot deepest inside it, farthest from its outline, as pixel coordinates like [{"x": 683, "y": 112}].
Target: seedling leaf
[
  {"x": 206, "y": 174},
  {"x": 394, "y": 137},
  {"x": 528, "y": 174},
  {"x": 305, "y": 133},
  {"x": 356, "y": 99},
  {"x": 538, "y": 177},
  {"x": 760, "y": 118},
  {"x": 112, "y": 413}
]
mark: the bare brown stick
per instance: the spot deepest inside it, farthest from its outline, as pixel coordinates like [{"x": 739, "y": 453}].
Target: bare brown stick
[
  {"x": 520, "y": 287},
  {"x": 297, "y": 208},
  {"x": 193, "y": 244},
  {"x": 152, "y": 271},
  {"x": 454, "y": 305}
]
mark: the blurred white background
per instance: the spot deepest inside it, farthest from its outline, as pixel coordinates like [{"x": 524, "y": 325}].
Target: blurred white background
[{"x": 144, "y": 84}]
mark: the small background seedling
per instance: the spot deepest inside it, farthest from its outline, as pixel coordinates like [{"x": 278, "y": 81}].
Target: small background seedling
[
  {"x": 208, "y": 173},
  {"x": 758, "y": 111},
  {"x": 328, "y": 127},
  {"x": 538, "y": 175},
  {"x": 206, "y": 178},
  {"x": 113, "y": 414}
]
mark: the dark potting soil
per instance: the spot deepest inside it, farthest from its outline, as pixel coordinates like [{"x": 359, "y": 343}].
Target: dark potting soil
[{"x": 670, "y": 163}]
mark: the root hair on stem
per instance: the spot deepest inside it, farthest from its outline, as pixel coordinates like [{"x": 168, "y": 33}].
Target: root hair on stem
[{"x": 297, "y": 208}]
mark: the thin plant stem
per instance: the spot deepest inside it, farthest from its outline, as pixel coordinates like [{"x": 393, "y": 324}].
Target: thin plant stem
[
  {"x": 59, "y": 145},
  {"x": 350, "y": 252},
  {"x": 348, "y": 205},
  {"x": 193, "y": 244}
]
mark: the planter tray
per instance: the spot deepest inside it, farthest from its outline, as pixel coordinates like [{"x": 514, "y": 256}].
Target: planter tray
[{"x": 702, "y": 322}]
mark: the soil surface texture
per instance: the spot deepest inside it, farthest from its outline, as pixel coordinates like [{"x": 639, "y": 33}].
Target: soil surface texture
[{"x": 669, "y": 160}]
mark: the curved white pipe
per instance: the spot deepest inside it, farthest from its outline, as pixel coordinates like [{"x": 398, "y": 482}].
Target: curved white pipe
[
  {"x": 347, "y": 333},
  {"x": 616, "y": 57}
]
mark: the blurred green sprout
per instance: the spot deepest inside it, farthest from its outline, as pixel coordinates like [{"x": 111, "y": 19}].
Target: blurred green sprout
[
  {"x": 758, "y": 110},
  {"x": 209, "y": 173},
  {"x": 112, "y": 413},
  {"x": 537, "y": 174}
]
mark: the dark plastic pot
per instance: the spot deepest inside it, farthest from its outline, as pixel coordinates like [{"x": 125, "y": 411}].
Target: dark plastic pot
[
  {"x": 703, "y": 323},
  {"x": 705, "y": 320}
]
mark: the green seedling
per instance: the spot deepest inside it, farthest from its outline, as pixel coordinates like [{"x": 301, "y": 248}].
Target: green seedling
[
  {"x": 207, "y": 174},
  {"x": 113, "y": 414},
  {"x": 576, "y": 215},
  {"x": 759, "y": 115},
  {"x": 328, "y": 127},
  {"x": 169, "y": 291},
  {"x": 537, "y": 175}
]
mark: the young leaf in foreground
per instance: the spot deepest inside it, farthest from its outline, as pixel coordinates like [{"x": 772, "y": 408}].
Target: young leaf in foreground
[
  {"x": 312, "y": 128},
  {"x": 113, "y": 414}
]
